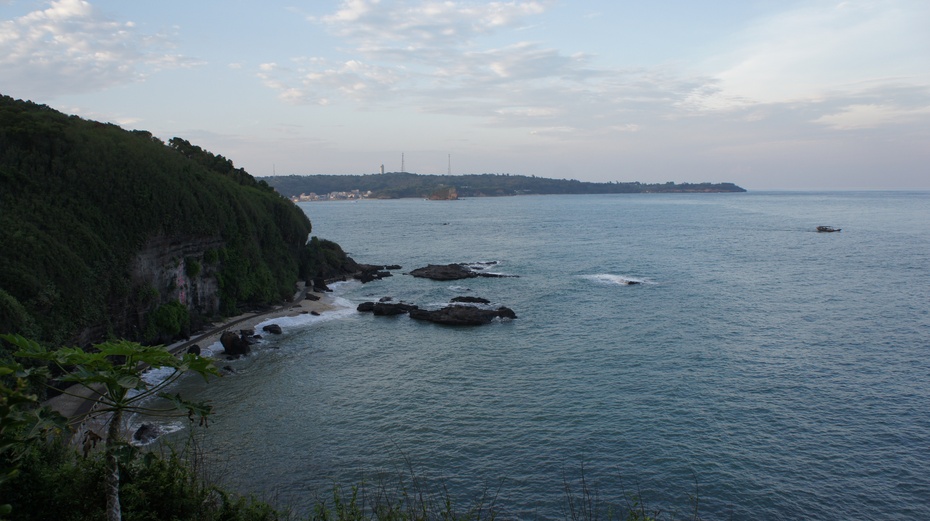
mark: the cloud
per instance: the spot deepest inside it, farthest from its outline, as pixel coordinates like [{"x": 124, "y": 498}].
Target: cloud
[
  {"x": 821, "y": 49},
  {"x": 864, "y": 116},
  {"x": 70, "y": 47},
  {"x": 433, "y": 57}
]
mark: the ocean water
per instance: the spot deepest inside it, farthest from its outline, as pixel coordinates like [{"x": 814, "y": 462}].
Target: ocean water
[{"x": 771, "y": 371}]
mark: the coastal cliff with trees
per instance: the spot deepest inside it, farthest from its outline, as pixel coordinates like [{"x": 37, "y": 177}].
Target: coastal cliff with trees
[
  {"x": 109, "y": 233},
  {"x": 394, "y": 185}
]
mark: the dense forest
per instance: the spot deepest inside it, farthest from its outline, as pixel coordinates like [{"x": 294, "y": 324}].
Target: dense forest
[
  {"x": 113, "y": 233},
  {"x": 397, "y": 185}
]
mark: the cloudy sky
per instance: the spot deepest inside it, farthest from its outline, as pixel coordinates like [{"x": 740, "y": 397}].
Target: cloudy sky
[{"x": 769, "y": 94}]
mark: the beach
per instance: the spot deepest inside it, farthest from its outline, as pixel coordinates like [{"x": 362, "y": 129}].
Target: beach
[{"x": 78, "y": 400}]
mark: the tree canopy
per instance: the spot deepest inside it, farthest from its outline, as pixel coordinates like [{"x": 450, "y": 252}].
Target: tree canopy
[{"x": 79, "y": 199}]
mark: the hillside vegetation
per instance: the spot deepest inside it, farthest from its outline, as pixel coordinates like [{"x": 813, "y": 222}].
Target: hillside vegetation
[
  {"x": 113, "y": 233},
  {"x": 398, "y": 185}
]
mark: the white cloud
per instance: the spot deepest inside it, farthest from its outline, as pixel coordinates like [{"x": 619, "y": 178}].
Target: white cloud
[
  {"x": 865, "y": 116},
  {"x": 70, "y": 47},
  {"x": 822, "y": 49},
  {"x": 429, "y": 56}
]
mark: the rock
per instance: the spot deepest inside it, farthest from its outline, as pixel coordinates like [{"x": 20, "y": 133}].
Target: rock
[
  {"x": 315, "y": 313},
  {"x": 390, "y": 308},
  {"x": 194, "y": 350},
  {"x": 247, "y": 332},
  {"x": 385, "y": 308},
  {"x": 319, "y": 285},
  {"x": 393, "y": 267},
  {"x": 385, "y": 299},
  {"x": 454, "y": 272},
  {"x": 444, "y": 272},
  {"x": 234, "y": 345},
  {"x": 367, "y": 273},
  {"x": 274, "y": 329},
  {"x": 462, "y": 315},
  {"x": 146, "y": 433},
  {"x": 471, "y": 300}
]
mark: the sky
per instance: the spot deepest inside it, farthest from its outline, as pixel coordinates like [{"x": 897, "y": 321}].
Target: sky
[{"x": 767, "y": 94}]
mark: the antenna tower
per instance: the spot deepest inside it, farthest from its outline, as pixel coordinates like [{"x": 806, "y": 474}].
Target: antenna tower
[
  {"x": 449, "y": 172},
  {"x": 402, "y": 163}
]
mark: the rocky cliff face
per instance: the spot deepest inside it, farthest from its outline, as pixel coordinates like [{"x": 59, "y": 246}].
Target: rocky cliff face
[{"x": 182, "y": 269}]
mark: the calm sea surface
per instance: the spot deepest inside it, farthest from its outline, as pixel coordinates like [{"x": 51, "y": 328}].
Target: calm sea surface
[{"x": 776, "y": 372}]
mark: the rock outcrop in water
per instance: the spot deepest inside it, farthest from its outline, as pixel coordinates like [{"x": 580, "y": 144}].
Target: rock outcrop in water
[
  {"x": 235, "y": 345},
  {"x": 462, "y": 315},
  {"x": 453, "y": 272},
  {"x": 456, "y": 314}
]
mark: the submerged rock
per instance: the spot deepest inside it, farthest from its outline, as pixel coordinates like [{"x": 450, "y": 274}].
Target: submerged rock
[{"x": 471, "y": 300}]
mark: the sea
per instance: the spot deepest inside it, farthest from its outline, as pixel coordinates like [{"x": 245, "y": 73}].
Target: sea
[{"x": 754, "y": 369}]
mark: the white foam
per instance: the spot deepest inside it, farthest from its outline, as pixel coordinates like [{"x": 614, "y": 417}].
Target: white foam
[{"x": 615, "y": 280}]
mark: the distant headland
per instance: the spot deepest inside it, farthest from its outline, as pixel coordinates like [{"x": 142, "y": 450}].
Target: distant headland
[{"x": 395, "y": 185}]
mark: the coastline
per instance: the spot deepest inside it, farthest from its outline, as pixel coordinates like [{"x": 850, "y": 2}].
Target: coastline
[{"x": 80, "y": 402}]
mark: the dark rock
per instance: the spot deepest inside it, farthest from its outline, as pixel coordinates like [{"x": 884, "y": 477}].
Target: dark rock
[
  {"x": 385, "y": 299},
  {"x": 454, "y": 272},
  {"x": 366, "y": 307},
  {"x": 247, "y": 332},
  {"x": 462, "y": 315},
  {"x": 393, "y": 267},
  {"x": 367, "y": 273},
  {"x": 471, "y": 300},
  {"x": 315, "y": 313},
  {"x": 194, "y": 350},
  {"x": 312, "y": 297},
  {"x": 319, "y": 285},
  {"x": 390, "y": 308},
  {"x": 274, "y": 329},
  {"x": 234, "y": 345},
  {"x": 444, "y": 272},
  {"x": 146, "y": 433}
]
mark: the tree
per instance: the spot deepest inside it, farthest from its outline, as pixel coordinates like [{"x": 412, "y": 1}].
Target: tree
[
  {"x": 22, "y": 421},
  {"x": 113, "y": 373}
]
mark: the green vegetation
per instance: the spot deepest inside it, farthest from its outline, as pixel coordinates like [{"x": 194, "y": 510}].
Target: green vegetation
[
  {"x": 398, "y": 185},
  {"x": 112, "y": 371},
  {"x": 80, "y": 201}
]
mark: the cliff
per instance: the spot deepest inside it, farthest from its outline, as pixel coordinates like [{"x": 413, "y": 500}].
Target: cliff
[{"x": 107, "y": 232}]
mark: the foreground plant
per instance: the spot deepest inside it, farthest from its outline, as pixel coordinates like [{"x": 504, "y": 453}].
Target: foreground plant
[{"x": 113, "y": 374}]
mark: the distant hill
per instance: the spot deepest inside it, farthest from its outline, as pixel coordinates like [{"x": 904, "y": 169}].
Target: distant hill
[
  {"x": 397, "y": 185},
  {"x": 112, "y": 233}
]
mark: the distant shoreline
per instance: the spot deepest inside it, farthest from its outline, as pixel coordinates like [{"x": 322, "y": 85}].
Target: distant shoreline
[{"x": 403, "y": 185}]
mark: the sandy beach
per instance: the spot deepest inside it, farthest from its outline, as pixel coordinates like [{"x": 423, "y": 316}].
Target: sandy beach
[{"x": 79, "y": 401}]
